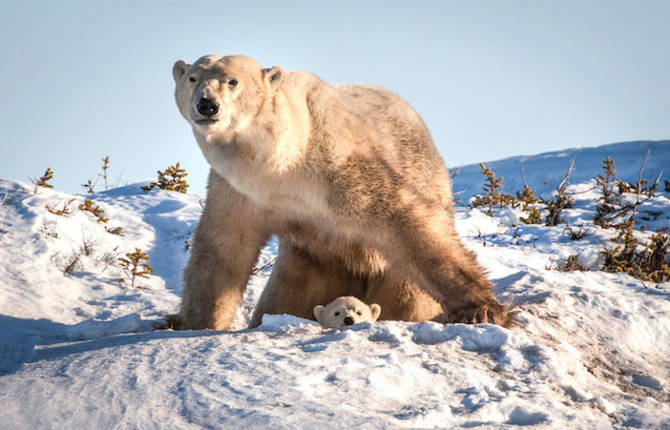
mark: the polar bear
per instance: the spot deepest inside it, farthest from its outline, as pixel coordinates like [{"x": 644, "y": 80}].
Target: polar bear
[
  {"x": 348, "y": 179},
  {"x": 346, "y": 310}
]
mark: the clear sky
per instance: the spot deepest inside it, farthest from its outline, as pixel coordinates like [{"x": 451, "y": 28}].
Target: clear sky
[{"x": 85, "y": 79}]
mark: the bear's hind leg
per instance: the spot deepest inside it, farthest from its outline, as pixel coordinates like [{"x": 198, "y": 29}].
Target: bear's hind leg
[
  {"x": 423, "y": 245},
  {"x": 401, "y": 299}
]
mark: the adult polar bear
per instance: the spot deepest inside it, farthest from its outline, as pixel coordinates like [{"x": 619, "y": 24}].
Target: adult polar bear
[{"x": 346, "y": 176}]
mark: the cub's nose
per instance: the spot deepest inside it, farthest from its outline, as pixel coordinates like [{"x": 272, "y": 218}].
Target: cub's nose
[
  {"x": 207, "y": 107},
  {"x": 348, "y": 321}
]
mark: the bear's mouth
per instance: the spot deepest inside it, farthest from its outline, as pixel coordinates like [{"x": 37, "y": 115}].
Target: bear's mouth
[{"x": 206, "y": 121}]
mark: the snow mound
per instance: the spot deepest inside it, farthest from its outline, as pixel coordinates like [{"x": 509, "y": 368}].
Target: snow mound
[
  {"x": 479, "y": 338},
  {"x": 78, "y": 348},
  {"x": 95, "y": 329}
]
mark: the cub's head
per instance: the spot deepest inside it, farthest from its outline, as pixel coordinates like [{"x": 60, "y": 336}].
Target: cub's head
[
  {"x": 220, "y": 94},
  {"x": 344, "y": 311}
]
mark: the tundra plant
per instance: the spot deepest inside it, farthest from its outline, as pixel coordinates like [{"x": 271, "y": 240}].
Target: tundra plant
[{"x": 135, "y": 266}]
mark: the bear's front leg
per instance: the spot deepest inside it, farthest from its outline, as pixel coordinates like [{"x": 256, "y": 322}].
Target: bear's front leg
[{"x": 225, "y": 248}]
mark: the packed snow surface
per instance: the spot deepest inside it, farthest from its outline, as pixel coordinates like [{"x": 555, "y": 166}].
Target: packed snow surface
[{"x": 80, "y": 350}]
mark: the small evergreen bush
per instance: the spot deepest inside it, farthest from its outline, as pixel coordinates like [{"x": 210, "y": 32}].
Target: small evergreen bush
[
  {"x": 135, "y": 265},
  {"x": 172, "y": 179}
]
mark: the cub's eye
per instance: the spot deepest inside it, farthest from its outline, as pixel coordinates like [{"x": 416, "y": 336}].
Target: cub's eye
[
  {"x": 359, "y": 313},
  {"x": 191, "y": 79},
  {"x": 232, "y": 82},
  {"x": 337, "y": 314}
]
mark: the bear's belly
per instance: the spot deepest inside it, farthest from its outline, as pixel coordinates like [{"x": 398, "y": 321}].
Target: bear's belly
[{"x": 331, "y": 246}]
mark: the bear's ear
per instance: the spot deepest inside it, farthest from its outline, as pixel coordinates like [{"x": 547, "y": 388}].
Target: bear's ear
[
  {"x": 375, "y": 310},
  {"x": 179, "y": 69},
  {"x": 318, "y": 312},
  {"x": 273, "y": 75}
]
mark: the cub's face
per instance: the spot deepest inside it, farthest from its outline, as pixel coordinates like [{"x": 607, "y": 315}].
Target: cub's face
[
  {"x": 345, "y": 311},
  {"x": 219, "y": 95}
]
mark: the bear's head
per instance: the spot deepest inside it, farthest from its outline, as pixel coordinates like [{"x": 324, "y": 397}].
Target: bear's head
[
  {"x": 346, "y": 310},
  {"x": 221, "y": 94}
]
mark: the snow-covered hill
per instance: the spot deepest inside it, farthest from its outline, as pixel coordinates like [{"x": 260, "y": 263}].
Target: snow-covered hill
[
  {"x": 78, "y": 350},
  {"x": 543, "y": 172}
]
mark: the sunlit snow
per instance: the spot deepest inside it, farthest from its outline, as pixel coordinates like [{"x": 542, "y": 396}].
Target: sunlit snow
[{"x": 79, "y": 350}]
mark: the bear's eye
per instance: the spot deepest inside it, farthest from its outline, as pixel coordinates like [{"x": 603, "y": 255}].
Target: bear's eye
[
  {"x": 359, "y": 313},
  {"x": 191, "y": 79},
  {"x": 337, "y": 313},
  {"x": 232, "y": 82}
]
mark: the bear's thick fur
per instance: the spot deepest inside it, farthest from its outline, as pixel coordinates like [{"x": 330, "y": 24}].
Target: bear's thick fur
[
  {"x": 344, "y": 311},
  {"x": 346, "y": 176}
]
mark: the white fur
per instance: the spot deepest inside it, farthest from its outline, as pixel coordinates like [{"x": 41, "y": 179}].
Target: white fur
[{"x": 346, "y": 307}]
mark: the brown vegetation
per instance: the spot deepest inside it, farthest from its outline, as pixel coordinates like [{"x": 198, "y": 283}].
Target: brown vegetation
[{"x": 172, "y": 179}]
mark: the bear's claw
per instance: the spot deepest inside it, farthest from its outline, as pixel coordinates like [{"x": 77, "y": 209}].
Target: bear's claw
[
  {"x": 489, "y": 313},
  {"x": 172, "y": 322}
]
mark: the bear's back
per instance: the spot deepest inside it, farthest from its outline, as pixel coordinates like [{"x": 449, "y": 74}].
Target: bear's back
[{"x": 377, "y": 104}]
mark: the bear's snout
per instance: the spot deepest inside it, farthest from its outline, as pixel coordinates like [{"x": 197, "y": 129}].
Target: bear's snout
[
  {"x": 207, "y": 107},
  {"x": 348, "y": 321}
]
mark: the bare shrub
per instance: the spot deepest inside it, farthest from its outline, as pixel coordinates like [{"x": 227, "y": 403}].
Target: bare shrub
[
  {"x": 49, "y": 230},
  {"x": 66, "y": 209},
  {"x": 647, "y": 262},
  {"x": 4, "y": 201},
  {"x": 576, "y": 233},
  {"x": 571, "y": 264},
  {"x": 88, "y": 246},
  {"x": 563, "y": 200},
  {"x": 70, "y": 263},
  {"x": 264, "y": 266},
  {"x": 97, "y": 211},
  {"x": 89, "y": 185},
  {"x": 43, "y": 181},
  {"x": 115, "y": 230},
  {"x": 109, "y": 258},
  {"x": 612, "y": 210}
]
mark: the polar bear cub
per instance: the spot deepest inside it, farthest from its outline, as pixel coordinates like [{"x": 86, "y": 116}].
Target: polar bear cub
[{"x": 346, "y": 310}]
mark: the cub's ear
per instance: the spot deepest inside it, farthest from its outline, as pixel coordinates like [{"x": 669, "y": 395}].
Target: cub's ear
[
  {"x": 375, "y": 310},
  {"x": 274, "y": 76},
  {"x": 318, "y": 312},
  {"x": 179, "y": 69}
]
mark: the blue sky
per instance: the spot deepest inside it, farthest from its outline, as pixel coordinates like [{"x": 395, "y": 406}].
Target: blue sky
[{"x": 82, "y": 79}]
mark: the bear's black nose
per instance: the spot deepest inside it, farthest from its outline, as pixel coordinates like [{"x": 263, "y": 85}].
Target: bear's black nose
[
  {"x": 207, "y": 107},
  {"x": 348, "y": 321}
]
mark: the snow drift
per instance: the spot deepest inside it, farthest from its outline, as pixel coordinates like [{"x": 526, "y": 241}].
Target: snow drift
[{"x": 79, "y": 350}]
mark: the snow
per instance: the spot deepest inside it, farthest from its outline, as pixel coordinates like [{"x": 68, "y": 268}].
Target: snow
[
  {"x": 545, "y": 171},
  {"x": 80, "y": 350}
]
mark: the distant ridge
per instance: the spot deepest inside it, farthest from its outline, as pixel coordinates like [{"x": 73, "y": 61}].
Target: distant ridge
[{"x": 544, "y": 171}]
